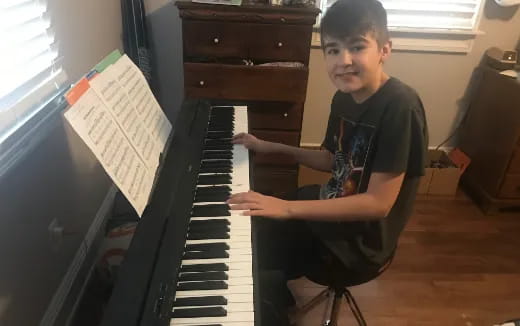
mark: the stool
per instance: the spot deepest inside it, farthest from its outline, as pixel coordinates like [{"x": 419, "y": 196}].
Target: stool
[{"x": 337, "y": 278}]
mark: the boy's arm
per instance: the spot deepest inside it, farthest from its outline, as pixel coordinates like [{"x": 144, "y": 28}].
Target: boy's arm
[
  {"x": 316, "y": 159},
  {"x": 375, "y": 203}
]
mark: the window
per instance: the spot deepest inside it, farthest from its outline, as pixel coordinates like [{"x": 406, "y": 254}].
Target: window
[
  {"x": 436, "y": 25},
  {"x": 29, "y": 67}
]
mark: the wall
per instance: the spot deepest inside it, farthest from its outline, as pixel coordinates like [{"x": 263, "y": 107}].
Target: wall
[
  {"x": 59, "y": 180},
  {"x": 441, "y": 79}
]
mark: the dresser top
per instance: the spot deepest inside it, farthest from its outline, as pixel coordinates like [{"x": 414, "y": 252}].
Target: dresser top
[{"x": 247, "y": 8}]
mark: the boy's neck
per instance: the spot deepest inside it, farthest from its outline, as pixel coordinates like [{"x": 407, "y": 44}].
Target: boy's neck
[{"x": 363, "y": 94}]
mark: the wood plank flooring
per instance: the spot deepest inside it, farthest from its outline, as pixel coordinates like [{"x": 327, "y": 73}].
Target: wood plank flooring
[{"x": 454, "y": 266}]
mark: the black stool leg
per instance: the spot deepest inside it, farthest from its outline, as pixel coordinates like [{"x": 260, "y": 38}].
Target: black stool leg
[
  {"x": 354, "y": 308},
  {"x": 295, "y": 316},
  {"x": 333, "y": 319}
]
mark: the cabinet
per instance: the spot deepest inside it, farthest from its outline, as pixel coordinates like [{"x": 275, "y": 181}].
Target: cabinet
[
  {"x": 490, "y": 136},
  {"x": 225, "y": 52}
]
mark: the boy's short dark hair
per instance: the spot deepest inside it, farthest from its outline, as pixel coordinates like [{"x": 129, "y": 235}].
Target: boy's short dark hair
[{"x": 347, "y": 18}]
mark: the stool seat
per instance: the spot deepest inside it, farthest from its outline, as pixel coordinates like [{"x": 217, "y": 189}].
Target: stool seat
[{"x": 338, "y": 278}]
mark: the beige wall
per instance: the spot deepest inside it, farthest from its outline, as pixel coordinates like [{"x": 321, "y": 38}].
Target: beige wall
[
  {"x": 87, "y": 31},
  {"x": 440, "y": 79}
]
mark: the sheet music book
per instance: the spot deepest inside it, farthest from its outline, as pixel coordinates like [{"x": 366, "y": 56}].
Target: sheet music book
[
  {"x": 125, "y": 113},
  {"x": 117, "y": 116},
  {"x": 134, "y": 83}
]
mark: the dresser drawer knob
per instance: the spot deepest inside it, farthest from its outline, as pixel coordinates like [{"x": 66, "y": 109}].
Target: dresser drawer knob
[
  {"x": 282, "y": 20},
  {"x": 285, "y": 115},
  {"x": 201, "y": 83},
  {"x": 216, "y": 40},
  {"x": 280, "y": 44}
]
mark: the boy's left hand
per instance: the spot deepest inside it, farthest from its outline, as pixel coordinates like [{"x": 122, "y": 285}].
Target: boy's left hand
[{"x": 255, "y": 204}]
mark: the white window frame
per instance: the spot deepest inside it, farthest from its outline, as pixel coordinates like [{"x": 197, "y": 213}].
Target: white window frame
[{"x": 424, "y": 39}]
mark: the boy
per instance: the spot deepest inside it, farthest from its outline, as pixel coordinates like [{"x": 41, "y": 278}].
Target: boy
[{"x": 375, "y": 146}]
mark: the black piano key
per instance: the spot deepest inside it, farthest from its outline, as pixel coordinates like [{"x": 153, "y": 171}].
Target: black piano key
[
  {"x": 210, "y": 210},
  {"x": 203, "y": 233},
  {"x": 207, "y": 246},
  {"x": 213, "y": 189},
  {"x": 210, "y": 222},
  {"x": 199, "y": 312},
  {"x": 206, "y": 276},
  {"x": 217, "y": 155},
  {"x": 219, "y": 134},
  {"x": 221, "y": 124},
  {"x": 209, "y": 254},
  {"x": 217, "y": 164},
  {"x": 222, "y": 108},
  {"x": 218, "y": 197},
  {"x": 214, "y": 267},
  {"x": 202, "y": 285},
  {"x": 215, "y": 170},
  {"x": 216, "y": 300},
  {"x": 207, "y": 235},
  {"x": 221, "y": 128},
  {"x": 209, "y": 228},
  {"x": 226, "y": 141},
  {"x": 218, "y": 147},
  {"x": 217, "y": 179}
]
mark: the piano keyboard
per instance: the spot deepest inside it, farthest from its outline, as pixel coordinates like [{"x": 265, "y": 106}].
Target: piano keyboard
[{"x": 215, "y": 284}]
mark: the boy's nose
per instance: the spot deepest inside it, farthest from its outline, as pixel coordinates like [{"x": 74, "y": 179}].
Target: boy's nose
[{"x": 345, "y": 58}]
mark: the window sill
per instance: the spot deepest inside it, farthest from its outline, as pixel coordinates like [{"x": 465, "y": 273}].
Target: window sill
[{"x": 451, "y": 41}]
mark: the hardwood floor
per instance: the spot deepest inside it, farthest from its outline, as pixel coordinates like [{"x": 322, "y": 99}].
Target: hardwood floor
[{"x": 454, "y": 266}]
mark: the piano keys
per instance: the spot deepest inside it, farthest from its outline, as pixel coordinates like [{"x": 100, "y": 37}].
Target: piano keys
[
  {"x": 215, "y": 284},
  {"x": 201, "y": 269}
]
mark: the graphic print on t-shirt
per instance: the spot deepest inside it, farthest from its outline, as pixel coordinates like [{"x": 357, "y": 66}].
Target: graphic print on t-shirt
[{"x": 353, "y": 143}]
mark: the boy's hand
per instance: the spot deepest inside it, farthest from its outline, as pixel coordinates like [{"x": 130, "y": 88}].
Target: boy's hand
[
  {"x": 251, "y": 142},
  {"x": 255, "y": 204}
]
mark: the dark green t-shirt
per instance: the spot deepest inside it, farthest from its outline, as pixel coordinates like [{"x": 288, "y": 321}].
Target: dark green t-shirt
[{"x": 385, "y": 133}]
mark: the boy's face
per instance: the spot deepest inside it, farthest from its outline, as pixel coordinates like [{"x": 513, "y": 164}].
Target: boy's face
[{"x": 355, "y": 64}]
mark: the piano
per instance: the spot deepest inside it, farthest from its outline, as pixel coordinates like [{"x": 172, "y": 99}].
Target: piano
[{"x": 191, "y": 260}]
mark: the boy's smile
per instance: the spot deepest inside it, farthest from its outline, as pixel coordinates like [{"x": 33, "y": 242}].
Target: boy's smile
[{"x": 354, "y": 64}]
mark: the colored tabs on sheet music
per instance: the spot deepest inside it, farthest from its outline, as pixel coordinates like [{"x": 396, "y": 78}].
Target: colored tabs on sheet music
[
  {"x": 108, "y": 60},
  {"x": 77, "y": 91}
]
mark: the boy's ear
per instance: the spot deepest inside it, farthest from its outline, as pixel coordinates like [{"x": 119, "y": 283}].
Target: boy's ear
[{"x": 386, "y": 49}]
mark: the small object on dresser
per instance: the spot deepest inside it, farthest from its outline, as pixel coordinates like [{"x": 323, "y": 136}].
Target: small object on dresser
[
  {"x": 220, "y": 2},
  {"x": 299, "y": 3}
]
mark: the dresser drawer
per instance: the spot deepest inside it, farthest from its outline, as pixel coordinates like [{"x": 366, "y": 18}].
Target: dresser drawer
[
  {"x": 285, "y": 137},
  {"x": 215, "y": 81},
  {"x": 214, "y": 39},
  {"x": 279, "y": 42},
  {"x": 514, "y": 164},
  {"x": 274, "y": 181},
  {"x": 275, "y": 115},
  {"x": 510, "y": 187}
]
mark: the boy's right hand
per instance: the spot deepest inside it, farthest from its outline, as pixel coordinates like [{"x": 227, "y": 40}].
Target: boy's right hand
[{"x": 251, "y": 142}]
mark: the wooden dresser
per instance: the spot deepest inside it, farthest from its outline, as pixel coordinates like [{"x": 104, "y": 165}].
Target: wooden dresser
[
  {"x": 491, "y": 137},
  {"x": 224, "y": 49}
]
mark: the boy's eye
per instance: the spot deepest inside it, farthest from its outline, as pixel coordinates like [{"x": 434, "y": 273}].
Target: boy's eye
[
  {"x": 357, "y": 48},
  {"x": 332, "y": 51}
]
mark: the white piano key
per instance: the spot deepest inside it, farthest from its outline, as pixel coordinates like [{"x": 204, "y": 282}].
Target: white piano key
[
  {"x": 242, "y": 242},
  {"x": 230, "y": 307},
  {"x": 231, "y": 259},
  {"x": 245, "y": 293},
  {"x": 231, "y": 266},
  {"x": 247, "y": 316},
  {"x": 243, "y": 323}
]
